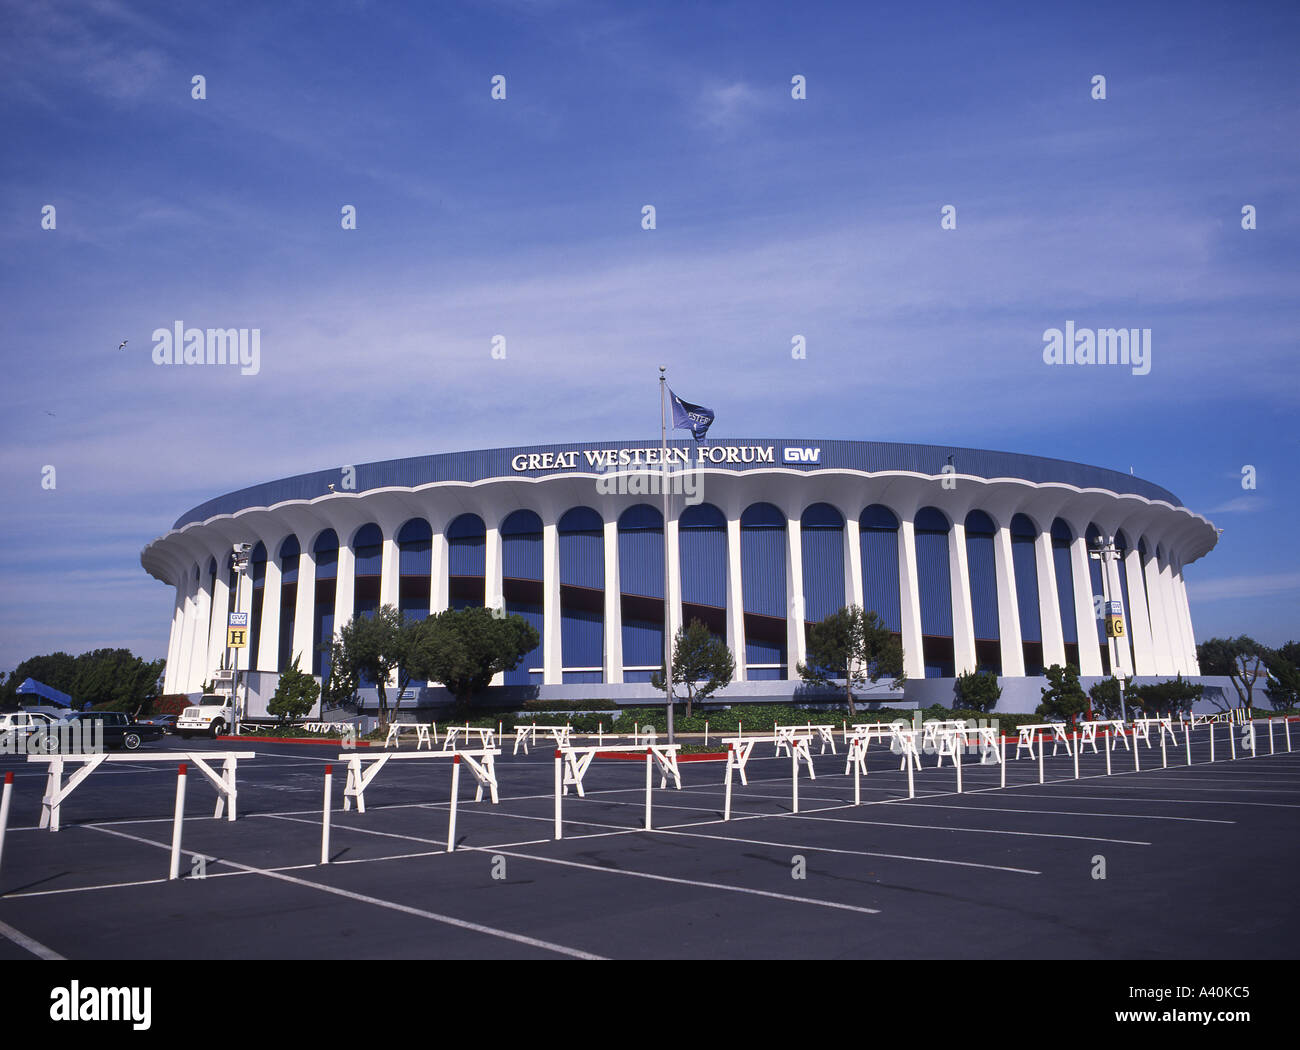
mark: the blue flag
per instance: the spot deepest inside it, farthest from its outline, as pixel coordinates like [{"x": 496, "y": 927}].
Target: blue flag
[{"x": 695, "y": 418}]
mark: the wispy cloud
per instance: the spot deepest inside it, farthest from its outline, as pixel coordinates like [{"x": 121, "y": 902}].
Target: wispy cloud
[{"x": 1243, "y": 586}]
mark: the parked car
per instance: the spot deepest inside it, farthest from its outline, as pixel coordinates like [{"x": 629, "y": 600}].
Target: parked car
[
  {"x": 25, "y": 722},
  {"x": 168, "y": 722},
  {"x": 118, "y": 730}
]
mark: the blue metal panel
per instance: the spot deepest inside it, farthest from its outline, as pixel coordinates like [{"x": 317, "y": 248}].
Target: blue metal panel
[
  {"x": 367, "y": 549},
  {"x": 933, "y": 578},
  {"x": 327, "y": 564},
  {"x": 762, "y": 566},
  {"x": 1025, "y": 567},
  {"x": 521, "y": 556},
  {"x": 823, "y": 571},
  {"x": 289, "y": 567},
  {"x": 870, "y": 456},
  {"x": 321, "y": 632},
  {"x": 582, "y": 559},
  {"x": 1128, "y": 609},
  {"x": 1094, "y": 573},
  {"x": 703, "y": 553},
  {"x": 285, "y": 652},
  {"x": 643, "y": 643},
  {"x": 520, "y": 675},
  {"x": 1065, "y": 590},
  {"x": 582, "y": 638},
  {"x": 880, "y": 571},
  {"x": 641, "y": 562},
  {"x": 983, "y": 586}
]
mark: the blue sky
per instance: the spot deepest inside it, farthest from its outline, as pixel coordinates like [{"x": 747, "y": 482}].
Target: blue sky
[{"x": 522, "y": 217}]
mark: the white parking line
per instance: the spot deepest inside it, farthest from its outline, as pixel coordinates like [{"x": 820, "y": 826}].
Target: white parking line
[{"x": 23, "y": 941}]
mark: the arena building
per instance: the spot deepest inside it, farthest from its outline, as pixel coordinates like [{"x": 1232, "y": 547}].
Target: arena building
[{"x": 975, "y": 558}]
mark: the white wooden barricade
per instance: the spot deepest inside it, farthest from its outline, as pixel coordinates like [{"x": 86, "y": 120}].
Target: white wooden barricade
[
  {"x": 930, "y": 732},
  {"x": 1030, "y": 734},
  {"x": 952, "y": 741},
  {"x": 906, "y": 742},
  {"x": 1089, "y": 732},
  {"x": 421, "y": 735},
  {"x": 578, "y": 759},
  {"x": 862, "y": 735},
  {"x": 785, "y": 736},
  {"x": 57, "y": 791},
  {"x": 1142, "y": 730},
  {"x": 487, "y": 737},
  {"x": 525, "y": 735},
  {"x": 743, "y": 748},
  {"x": 360, "y": 776}
]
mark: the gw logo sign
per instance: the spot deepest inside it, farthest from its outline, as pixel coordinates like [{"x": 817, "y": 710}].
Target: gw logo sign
[{"x": 802, "y": 455}]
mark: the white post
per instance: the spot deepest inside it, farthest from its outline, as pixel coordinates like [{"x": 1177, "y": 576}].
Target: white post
[
  {"x": 726, "y": 805},
  {"x": 4, "y": 810},
  {"x": 956, "y": 761},
  {"x": 1211, "y": 741},
  {"x": 635, "y": 734},
  {"x": 1041, "y": 748},
  {"x": 1286, "y": 726},
  {"x": 1108, "y": 746},
  {"x": 740, "y": 730},
  {"x": 907, "y": 759},
  {"x": 1002, "y": 744},
  {"x": 1076, "y": 756},
  {"x": 794, "y": 774},
  {"x": 1137, "y": 762},
  {"x": 1232, "y": 744},
  {"x": 1187, "y": 741},
  {"x": 178, "y": 821},
  {"x": 435, "y": 732},
  {"x": 857, "y": 772},
  {"x": 1164, "y": 757},
  {"x": 455, "y": 793},
  {"x": 559, "y": 781},
  {"x": 1253, "y": 750},
  {"x": 325, "y": 818},
  {"x": 649, "y": 771},
  {"x": 1270, "y": 736},
  {"x": 600, "y": 734},
  {"x": 706, "y": 732}
]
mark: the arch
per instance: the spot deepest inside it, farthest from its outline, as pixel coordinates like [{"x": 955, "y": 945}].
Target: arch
[
  {"x": 414, "y": 568},
  {"x": 641, "y": 587},
  {"x": 702, "y": 553},
  {"x": 821, "y": 532},
  {"x": 1062, "y": 537},
  {"x": 368, "y": 563},
  {"x": 934, "y": 582},
  {"x": 878, "y": 539},
  {"x": 522, "y": 575},
  {"x": 581, "y": 533},
  {"x": 326, "y": 553},
  {"x": 290, "y": 554},
  {"x": 763, "y": 577},
  {"x": 1024, "y": 567},
  {"x": 257, "y": 577},
  {"x": 981, "y": 567},
  {"x": 1099, "y": 589}
]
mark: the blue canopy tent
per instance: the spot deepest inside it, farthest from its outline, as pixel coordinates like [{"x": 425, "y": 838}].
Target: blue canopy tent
[{"x": 32, "y": 687}]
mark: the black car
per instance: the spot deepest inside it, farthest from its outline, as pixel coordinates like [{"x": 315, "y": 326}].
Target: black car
[
  {"x": 118, "y": 730},
  {"x": 168, "y": 722}
]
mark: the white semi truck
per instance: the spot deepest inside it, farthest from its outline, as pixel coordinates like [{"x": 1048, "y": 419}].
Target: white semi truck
[{"x": 214, "y": 714}]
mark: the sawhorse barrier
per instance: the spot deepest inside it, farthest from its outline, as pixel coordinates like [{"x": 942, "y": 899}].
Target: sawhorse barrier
[
  {"x": 57, "y": 790},
  {"x": 361, "y": 776},
  {"x": 525, "y": 735},
  {"x": 785, "y": 736},
  {"x": 487, "y": 737},
  {"x": 394, "y": 738},
  {"x": 1029, "y": 735},
  {"x": 577, "y": 760},
  {"x": 741, "y": 748}
]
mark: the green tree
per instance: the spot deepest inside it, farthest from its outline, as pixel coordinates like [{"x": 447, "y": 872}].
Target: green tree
[
  {"x": 854, "y": 647},
  {"x": 116, "y": 680},
  {"x": 1106, "y": 699},
  {"x": 295, "y": 694},
  {"x": 1284, "y": 677},
  {"x": 465, "y": 649},
  {"x": 1064, "y": 697},
  {"x": 57, "y": 670},
  {"x": 702, "y": 663},
  {"x": 1241, "y": 659},
  {"x": 376, "y": 646},
  {"x": 1176, "y": 694},
  {"x": 340, "y": 684},
  {"x": 977, "y": 691}
]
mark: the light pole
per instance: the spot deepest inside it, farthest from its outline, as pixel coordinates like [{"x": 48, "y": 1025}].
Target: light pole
[
  {"x": 668, "y": 623},
  {"x": 1105, "y": 552}
]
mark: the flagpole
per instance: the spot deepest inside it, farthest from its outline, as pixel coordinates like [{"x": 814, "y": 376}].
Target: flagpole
[{"x": 668, "y": 636}]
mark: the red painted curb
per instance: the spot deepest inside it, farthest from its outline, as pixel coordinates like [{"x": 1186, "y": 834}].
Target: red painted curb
[{"x": 639, "y": 756}]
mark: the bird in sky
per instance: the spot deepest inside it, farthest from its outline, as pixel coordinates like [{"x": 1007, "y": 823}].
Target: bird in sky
[
  {"x": 48, "y": 412},
  {"x": 122, "y": 345}
]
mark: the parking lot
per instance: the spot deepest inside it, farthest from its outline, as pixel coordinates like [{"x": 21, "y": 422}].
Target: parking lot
[{"x": 1156, "y": 863}]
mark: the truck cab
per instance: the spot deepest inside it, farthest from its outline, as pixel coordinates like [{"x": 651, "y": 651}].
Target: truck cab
[{"x": 213, "y": 715}]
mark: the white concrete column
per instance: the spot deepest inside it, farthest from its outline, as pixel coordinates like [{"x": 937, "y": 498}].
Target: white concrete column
[
  {"x": 1123, "y": 655},
  {"x": 1160, "y": 641},
  {"x": 493, "y": 570},
  {"x": 198, "y": 671},
  {"x": 345, "y": 588},
  {"x": 439, "y": 569},
  {"x": 1013, "y": 652},
  {"x": 736, "y": 600},
  {"x": 963, "y": 620},
  {"x": 1049, "y": 607},
  {"x": 1173, "y": 630},
  {"x": 796, "y": 641},
  {"x": 268, "y": 640},
  {"x": 909, "y": 600},
  {"x": 1144, "y": 659},
  {"x": 494, "y": 590},
  {"x": 552, "y": 641},
  {"x": 242, "y": 658},
  {"x": 179, "y": 681},
  {"x": 673, "y": 552},
  {"x": 219, "y": 620},
  {"x": 174, "y": 636},
  {"x": 304, "y": 613},
  {"x": 853, "y": 590},
  {"x": 1185, "y": 619},
  {"x": 1085, "y": 614},
  {"x": 389, "y": 571},
  {"x": 613, "y": 607}
]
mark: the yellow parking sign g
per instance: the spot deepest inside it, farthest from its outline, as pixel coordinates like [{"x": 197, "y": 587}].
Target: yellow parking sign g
[
  {"x": 1114, "y": 626},
  {"x": 236, "y": 637}
]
